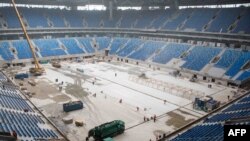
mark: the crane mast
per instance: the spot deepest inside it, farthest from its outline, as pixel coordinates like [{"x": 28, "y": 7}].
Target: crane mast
[{"x": 38, "y": 70}]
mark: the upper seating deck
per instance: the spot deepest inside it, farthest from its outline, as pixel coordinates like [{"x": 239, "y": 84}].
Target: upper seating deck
[{"x": 226, "y": 20}]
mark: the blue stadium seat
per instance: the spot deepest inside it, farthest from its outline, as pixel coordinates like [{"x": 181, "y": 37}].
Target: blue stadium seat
[
  {"x": 9, "y": 93},
  {"x": 155, "y": 19},
  {"x": 56, "y": 17},
  {"x": 2, "y": 77},
  {"x": 14, "y": 103},
  {"x": 202, "y": 133},
  {"x": 49, "y": 47},
  {"x": 128, "y": 18},
  {"x": 75, "y": 18},
  {"x": 226, "y": 116},
  {"x": 27, "y": 124},
  {"x": 245, "y": 75},
  {"x": 227, "y": 58},
  {"x": 199, "y": 57},
  {"x": 172, "y": 50},
  {"x": 86, "y": 42},
  {"x": 243, "y": 24},
  {"x": 35, "y": 18},
  {"x": 238, "y": 106},
  {"x": 238, "y": 64},
  {"x": 116, "y": 44},
  {"x": 174, "y": 22},
  {"x": 146, "y": 17},
  {"x": 110, "y": 23},
  {"x": 161, "y": 18},
  {"x": 245, "y": 99},
  {"x": 5, "y": 51},
  {"x": 72, "y": 46},
  {"x": 23, "y": 49},
  {"x": 93, "y": 18},
  {"x": 146, "y": 50},
  {"x": 212, "y": 128},
  {"x": 199, "y": 19},
  {"x": 103, "y": 42},
  {"x": 224, "y": 19},
  {"x": 130, "y": 46},
  {"x": 10, "y": 17}
]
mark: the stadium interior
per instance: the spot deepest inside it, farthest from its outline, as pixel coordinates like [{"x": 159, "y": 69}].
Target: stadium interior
[{"x": 174, "y": 70}]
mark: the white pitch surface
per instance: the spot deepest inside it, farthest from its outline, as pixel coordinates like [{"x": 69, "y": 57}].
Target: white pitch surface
[
  {"x": 130, "y": 92},
  {"x": 115, "y": 88}
]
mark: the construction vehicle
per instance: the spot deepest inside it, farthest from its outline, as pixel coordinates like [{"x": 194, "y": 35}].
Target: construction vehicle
[
  {"x": 73, "y": 105},
  {"x": 56, "y": 64},
  {"x": 206, "y": 104},
  {"x": 109, "y": 129},
  {"x": 21, "y": 76},
  {"x": 44, "y": 61},
  {"x": 37, "y": 70},
  {"x": 108, "y": 139}
]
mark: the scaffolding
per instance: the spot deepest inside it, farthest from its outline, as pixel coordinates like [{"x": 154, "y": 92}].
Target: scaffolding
[{"x": 172, "y": 89}]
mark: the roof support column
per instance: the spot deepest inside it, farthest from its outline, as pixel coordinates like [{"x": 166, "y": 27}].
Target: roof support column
[
  {"x": 174, "y": 4},
  {"x": 110, "y": 8}
]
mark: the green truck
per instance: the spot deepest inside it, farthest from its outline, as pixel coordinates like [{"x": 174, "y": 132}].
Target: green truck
[
  {"x": 109, "y": 129},
  {"x": 108, "y": 139}
]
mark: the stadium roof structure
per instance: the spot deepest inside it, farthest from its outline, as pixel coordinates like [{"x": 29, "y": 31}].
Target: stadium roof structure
[{"x": 129, "y": 2}]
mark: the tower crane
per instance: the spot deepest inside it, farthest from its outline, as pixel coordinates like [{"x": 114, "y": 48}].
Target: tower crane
[{"x": 37, "y": 70}]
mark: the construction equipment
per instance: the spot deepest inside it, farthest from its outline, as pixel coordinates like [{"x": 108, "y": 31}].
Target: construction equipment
[
  {"x": 71, "y": 106},
  {"x": 80, "y": 70},
  {"x": 56, "y": 64},
  {"x": 21, "y": 76},
  {"x": 44, "y": 61},
  {"x": 37, "y": 70},
  {"x": 109, "y": 129},
  {"x": 206, "y": 104},
  {"x": 32, "y": 83},
  {"x": 67, "y": 120},
  {"x": 79, "y": 123}
]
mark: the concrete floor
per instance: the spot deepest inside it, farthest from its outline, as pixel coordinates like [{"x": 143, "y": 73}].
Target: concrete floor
[{"x": 109, "y": 89}]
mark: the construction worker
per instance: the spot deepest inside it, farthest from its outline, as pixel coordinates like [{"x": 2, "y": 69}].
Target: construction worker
[
  {"x": 154, "y": 118},
  {"x": 159, "y": 138},
  {"x": 137, "y": 108},
  {"x": 165, "y": 101}
]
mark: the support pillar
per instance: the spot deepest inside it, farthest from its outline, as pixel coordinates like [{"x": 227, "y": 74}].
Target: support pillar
[{"x": 110, "y": 7}]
